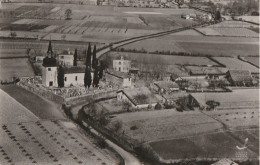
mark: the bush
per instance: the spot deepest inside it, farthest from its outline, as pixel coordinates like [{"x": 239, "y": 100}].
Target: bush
[
  {"x": 134, "y": 127},
  {"x": 158, "y": 106}
]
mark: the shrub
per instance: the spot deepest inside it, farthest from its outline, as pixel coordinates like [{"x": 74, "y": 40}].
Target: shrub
[{"x": 134, "y": 127}]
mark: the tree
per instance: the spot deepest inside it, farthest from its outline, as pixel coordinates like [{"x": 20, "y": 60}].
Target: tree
[
  {"x": 217, "y": 15},
  {"x": 68, "y": 14},
  {"x": 75, "y": 58},
  {"x": 60, "y": 77},
  {"x": 87, "y": 77},
  {"x": 94, "y": 58},
  {"x": 13, "y": 34},
  {"x": 88, "y": 58},
  {"x": 212, "y": 104},
  {"x": 96, "y": 78}
]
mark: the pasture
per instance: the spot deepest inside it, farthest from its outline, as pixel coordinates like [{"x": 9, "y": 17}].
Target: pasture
[
  {"x": 108, "y": 25},
  {"x": 145, "y": 58},
  {"x": 234, "y": 63},
  {"x": 253, "y": 60},
  {"x": 165, "y": 124},
  {"x": 198, "y": 44},
  {"x": 228, "y": 32},
  {"x": 204, "y": 147},
  {"x": 19, "y": 67}
]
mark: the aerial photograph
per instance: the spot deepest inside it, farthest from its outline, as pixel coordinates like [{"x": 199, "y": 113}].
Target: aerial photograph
[{"x": 129, "y": 82}]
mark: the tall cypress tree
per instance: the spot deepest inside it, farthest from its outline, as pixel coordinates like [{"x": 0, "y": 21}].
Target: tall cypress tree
[
  {"x": 96, "y": 78},
  {"x": 87, "y": 77},
  {"x": 88, "y": 59},
  {"x": 94, "y": 58},
  {"x": 60, "y": 77},
  {"x": 75, "y": 58}
]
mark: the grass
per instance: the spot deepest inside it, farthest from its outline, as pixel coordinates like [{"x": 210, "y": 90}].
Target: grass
[
  {"x": 164, "y": 124},
  {"x": 37, "y": 105},
  {"x": 210, "y": 146},
  {"x": 253, "y": 60},
  {"x": 234, "y": 63},
  {"x": 19, "y": 67}
]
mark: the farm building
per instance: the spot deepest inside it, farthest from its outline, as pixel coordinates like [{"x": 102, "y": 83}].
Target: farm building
[
  {"x": 122, "y": 65},
  {"x": 118, "y": 78},
  {"x": 166, "y": 86},
  {"x": 238, "y": 99},
  {"x": 139, "y": 97},
  {"x": 66, "y": 59},
  {"x": 39, "y": 58},
  {"x": 239, "y": 77},
  {"x": 172, "y": 97},
  {"x": 224, "y": 162},
  {"x": 49, "y": 75},
  {"x": 74, "y": 76}
]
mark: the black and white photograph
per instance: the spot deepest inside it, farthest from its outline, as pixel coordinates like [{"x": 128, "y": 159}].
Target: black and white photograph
[{"x": 129, "y": 82}]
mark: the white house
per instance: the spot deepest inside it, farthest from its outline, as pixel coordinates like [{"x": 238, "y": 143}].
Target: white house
[
  {"x": 122, "y": 65},
  {"x": 118, "y": 78},
  {"x": 74, "y": 76},
  {"x": 138, "y": 97},
  {"x": 66, "y": 59},
  {"x": 49, "y": 75}
]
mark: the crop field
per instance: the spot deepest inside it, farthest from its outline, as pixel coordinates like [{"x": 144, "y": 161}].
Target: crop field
[
  {"x": 250, "y": 98},
  {"x": 25, "y": 139},
  {"x": 234, "y": 63},
  {"x": 253, "y": 60},
  {"x": 88, "y": 25},
  {"x": 210, "y": 146},
  {"x": 254, "y": 19},
  {"x": 13, "y": 53},
  {"x": 145, "y": 58},
  {"x": 237, "y": 118},
  {"x": 234, "y": 24},
  {"x": 165, "y": 124},
  {"x": 228, "y": 32},
  {"x": 203, "y": 70},
  {"x": 48, "y": 142},
  {"x": 19, "y": 67},
  {"x": 196, "y": 44}
]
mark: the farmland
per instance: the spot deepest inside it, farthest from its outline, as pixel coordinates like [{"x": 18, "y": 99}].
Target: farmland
[
  {"x": 165, "y": 124},
  {"x": 43, "y": 141},
  {"x": 164, "y": 59},
  {"x": 110, "y": 24},
  {"x": 234, "y": 63},
  {"x": 211, "y": 146},
  {"x": 19, "y": 67},
  {"x": 253, "y": 60},
  {"x": 198, "y": 44}
]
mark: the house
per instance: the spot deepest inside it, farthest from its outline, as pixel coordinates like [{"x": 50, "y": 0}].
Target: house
[
  {"x": 66, "y": 59},
  {"x": 39, "y": 58},
  {"x": 166, "y": 86},
  {"x": 172, "y": 97},
  {"x": 122, "y": 65},
  {"x": 118, "y": 78},
  {"x": 49, "y": 75},
  {"x": 239, "y": 77},
  {"x": 224, "y": 161},
  {"x": 74, "y": 76},
  {"x": 134, "y": 71},
  {"x": 138, "y": 97}
]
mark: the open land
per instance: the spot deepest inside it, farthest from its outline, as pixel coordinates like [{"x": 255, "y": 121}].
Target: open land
[
  {"x": 43, "y": 141},
  {"x": 18, "y": 67},
  {"x": 204, "y": 45}
]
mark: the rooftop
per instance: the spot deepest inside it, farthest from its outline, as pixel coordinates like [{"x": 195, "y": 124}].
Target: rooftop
[
  {"x": 74, "y": 69},
  {"x": 118, "y": 74},
  {"x": 225, "y": 162}
]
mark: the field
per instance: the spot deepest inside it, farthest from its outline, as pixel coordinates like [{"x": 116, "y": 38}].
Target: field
[
  {"x": 110, "y": 24},
  {"x": 253, "y": 60},
  {"x": 210, "y": 146},
  {"x": 234, "y": 63},
  {"x": 198, "y": 44},
  {"x": 165, "y": 124},
  {"x": 12, "y": 53},
  {"x": 254, "y": 19},
  {"x": 234, "y": 24},
  {"x": 19, "y": 67},
  {"x": 228, "y": 32},
  {"x": 250, "y": 98},
  {"x": 26, "y": 139},
  {"x": 145, "y": 58}
]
